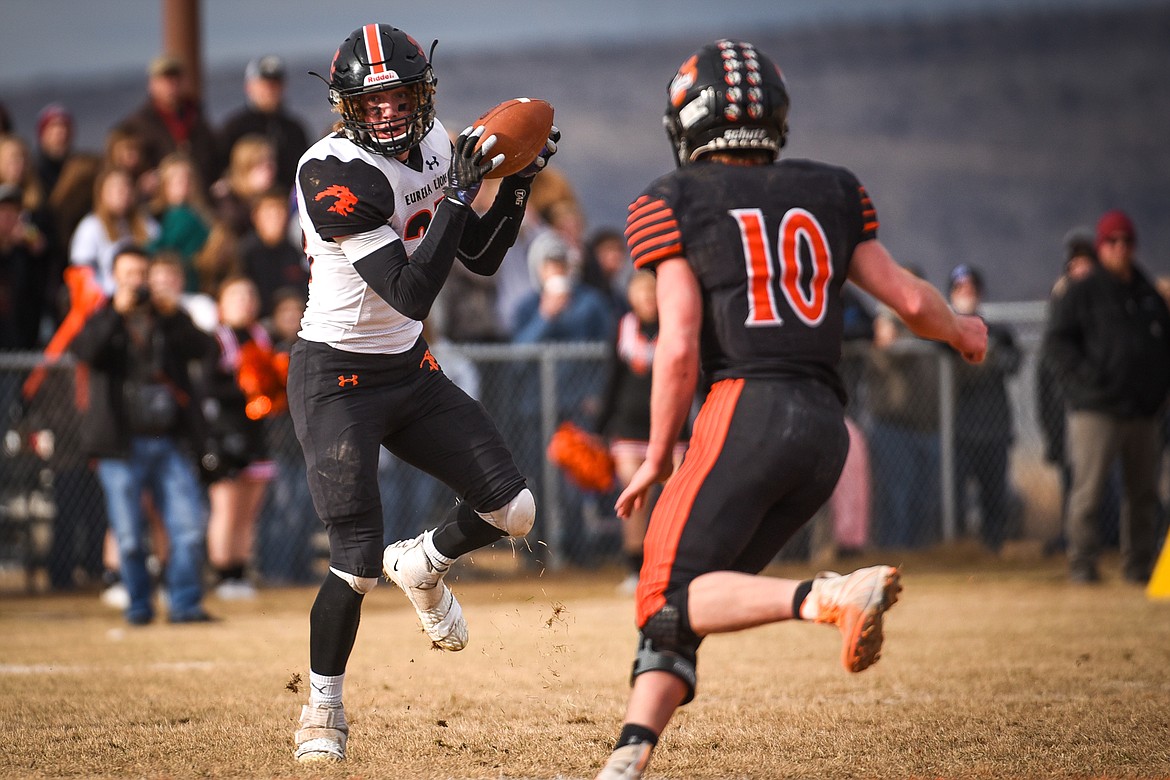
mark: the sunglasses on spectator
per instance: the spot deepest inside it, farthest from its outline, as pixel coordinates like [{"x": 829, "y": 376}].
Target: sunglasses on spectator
[{"x": 1117, "y": 240}]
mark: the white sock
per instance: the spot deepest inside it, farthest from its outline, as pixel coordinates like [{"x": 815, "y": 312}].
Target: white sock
[
  {"x": 324, "y": 690},
  {"x": 428, "y": 545}
]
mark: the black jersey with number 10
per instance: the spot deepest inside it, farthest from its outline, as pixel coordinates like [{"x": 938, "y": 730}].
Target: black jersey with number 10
[{"x": 770, "y": 246}]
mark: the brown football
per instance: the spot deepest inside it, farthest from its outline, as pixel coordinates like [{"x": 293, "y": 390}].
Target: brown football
[{"x": 521, "y": 127}]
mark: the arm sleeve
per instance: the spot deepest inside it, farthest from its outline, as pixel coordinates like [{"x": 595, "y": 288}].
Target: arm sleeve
[
  {"x": 91, "y": 345},
  {"x": 488, "y": 238},
  {"x": 614, "y": 375},
  {"x": 1062, "y": 340},
  {"x": 1006, "y": 356},
  {"x": 191, "y": 342},
  {"x": 534, "y": 328},
  {"x": 409, "y": 284}
]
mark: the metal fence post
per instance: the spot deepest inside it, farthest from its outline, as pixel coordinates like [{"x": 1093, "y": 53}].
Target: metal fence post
[
  {"x": 946, "y": 434},
  {"x": 551, "y": 490}
]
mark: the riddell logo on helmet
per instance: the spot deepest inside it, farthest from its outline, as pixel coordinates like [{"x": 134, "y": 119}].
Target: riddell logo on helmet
[{"x": 379, "y": 78}]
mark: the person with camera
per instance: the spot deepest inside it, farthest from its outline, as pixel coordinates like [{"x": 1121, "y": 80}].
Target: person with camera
[{"x": 140, "y": 425}]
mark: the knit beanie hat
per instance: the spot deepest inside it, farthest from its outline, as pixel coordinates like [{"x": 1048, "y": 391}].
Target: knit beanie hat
[
  {"x": 1079, "y": 242},
  {"x": 53, "y": 112},
  {"x": 1112, "y": 222}
]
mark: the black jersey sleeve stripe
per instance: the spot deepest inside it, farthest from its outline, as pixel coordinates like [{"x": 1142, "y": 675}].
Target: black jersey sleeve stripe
[
  {"x": 658, "y": 219},
  {"x": 643, "y": 259},
  {"x": 652, "y": 232}
]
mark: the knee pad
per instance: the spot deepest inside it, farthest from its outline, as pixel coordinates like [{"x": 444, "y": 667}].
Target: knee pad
[
  {"x": 362, "y": 585},
  {"x": 516, "y": 517},
  {"x": 666, "y": 645}
]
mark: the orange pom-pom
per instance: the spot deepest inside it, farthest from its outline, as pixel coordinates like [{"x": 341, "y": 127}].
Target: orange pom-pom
[
  {"x": 583, "y": 457},
  {"x": 262, "y": 376}
]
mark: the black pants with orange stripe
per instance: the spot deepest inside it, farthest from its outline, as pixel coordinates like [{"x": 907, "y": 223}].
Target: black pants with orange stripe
[
  {"x": 764, "y": 455},
  {"x": 345, "y": 406}
]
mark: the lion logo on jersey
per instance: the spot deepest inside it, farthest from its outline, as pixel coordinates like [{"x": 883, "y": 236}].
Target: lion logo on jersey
[{"x": 345, "y": 202}]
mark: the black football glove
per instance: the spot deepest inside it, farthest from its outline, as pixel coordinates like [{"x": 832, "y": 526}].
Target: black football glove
[
  {"x": 468, "y": 166},
  {"x": 550, "y": 148}
]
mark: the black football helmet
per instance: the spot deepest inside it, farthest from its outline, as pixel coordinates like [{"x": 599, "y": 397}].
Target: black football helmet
[
  {"x": 375, "y": 58},
  {"x": 727, "y": 95}
]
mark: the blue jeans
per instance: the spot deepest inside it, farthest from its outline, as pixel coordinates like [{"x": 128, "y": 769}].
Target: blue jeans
[
  {"x": 907, "y": 501},
  {"x": 157, "y": 464}
]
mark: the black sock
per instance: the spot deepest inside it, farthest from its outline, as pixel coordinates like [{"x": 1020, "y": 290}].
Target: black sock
[
  {"x": 802, "y": 591},
  {"x": 633, "y": 734},
  {"x": 333, "y": 625},
  {"x": 634, "y": 562},
  {"x": 463, "y": 531},
  {"x": 233, "y": 572}
]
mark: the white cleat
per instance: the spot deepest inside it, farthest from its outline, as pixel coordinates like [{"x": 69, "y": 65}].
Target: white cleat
[
  {"x": 322, "y": 734},
  {"x": 855, "y": 603},
  {"x": 626, "y": 763},
  {"x": 408, "y": 566}
]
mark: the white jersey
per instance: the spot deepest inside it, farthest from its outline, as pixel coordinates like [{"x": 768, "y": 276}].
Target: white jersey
[{"x": 344, "y": 190}]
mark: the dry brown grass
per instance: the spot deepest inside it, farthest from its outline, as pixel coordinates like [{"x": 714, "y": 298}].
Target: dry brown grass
[{"x": 991, "y": 669}]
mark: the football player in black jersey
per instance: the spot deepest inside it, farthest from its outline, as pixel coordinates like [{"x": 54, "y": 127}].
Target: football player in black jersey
[
  {"x": 385, "y": 208},
  {"x": 750, "y": 256}
]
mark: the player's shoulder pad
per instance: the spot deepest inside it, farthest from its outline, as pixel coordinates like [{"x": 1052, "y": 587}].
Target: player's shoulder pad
[
  {"x": 822, "y": 171},
  {"x": 665, "y": 189},
  {"x": 345, "y": 196}
]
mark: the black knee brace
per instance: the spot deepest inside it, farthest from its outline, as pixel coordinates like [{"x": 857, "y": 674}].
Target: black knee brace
[{"x": 666, "y": 645}]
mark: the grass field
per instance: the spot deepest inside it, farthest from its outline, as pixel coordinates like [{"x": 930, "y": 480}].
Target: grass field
[{"x": 990, "y": 670}]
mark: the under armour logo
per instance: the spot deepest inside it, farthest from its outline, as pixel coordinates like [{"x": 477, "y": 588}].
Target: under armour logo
[
  {"x": 429, "y": 360},
  {"x": 342, "y": 381},
  {"x": 432, "y": 163}
]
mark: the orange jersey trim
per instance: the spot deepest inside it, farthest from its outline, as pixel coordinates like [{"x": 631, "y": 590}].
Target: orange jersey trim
[
  {"x": 868, "y": 212},
  {"x": 678, "y": 496},
  {"x": 652, "y": 231}
]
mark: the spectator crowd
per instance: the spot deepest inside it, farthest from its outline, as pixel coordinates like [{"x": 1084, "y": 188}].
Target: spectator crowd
[{"x": 190, "y": 231}]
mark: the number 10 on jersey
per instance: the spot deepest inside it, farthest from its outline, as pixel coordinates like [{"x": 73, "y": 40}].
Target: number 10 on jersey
[{"x": 763, "y": 277}]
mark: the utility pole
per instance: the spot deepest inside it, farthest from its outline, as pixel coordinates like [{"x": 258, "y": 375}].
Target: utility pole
[{"x": 182, "y": 38}]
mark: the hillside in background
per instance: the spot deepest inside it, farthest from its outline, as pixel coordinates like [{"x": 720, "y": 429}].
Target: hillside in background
[{"x": 982, "y": 139}]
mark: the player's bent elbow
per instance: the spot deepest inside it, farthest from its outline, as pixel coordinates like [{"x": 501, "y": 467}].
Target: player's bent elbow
[{"x": 416, "y": 310}]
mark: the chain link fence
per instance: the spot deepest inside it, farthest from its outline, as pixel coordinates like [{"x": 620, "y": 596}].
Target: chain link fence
[{"x": 916, "y": 477}]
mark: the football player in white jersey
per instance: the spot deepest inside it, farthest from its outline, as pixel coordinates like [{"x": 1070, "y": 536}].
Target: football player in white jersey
[{"x": 385, "y": 207}]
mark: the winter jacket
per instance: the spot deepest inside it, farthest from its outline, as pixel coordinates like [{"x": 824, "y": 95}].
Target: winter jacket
[
  {"x": 1109, "y": 341},
  {"x": 122, "y": 352}
]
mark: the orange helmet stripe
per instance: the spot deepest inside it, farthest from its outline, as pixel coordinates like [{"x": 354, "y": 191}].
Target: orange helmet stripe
[{"x": 373, "y": 37}]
